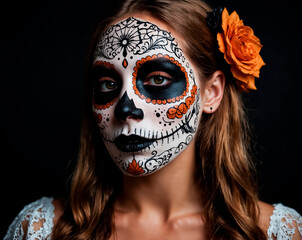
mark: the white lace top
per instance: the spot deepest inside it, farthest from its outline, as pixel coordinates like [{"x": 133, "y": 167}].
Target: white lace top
[{"x": 35, "y": 222}]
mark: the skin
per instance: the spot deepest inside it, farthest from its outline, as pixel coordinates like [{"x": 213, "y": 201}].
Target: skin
[
  {"x": 146, "y": 96},
  {"x": 166, "y": 204}
]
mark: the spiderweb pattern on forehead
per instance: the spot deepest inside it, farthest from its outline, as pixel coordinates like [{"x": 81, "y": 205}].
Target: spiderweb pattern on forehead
[{"x": 134, "y": 36}]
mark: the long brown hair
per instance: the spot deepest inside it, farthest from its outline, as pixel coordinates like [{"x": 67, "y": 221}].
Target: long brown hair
[{"x": 223, "y": 166}]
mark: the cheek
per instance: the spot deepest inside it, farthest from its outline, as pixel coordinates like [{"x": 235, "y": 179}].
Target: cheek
[
  {"x": 179, "y": 110},
  {"x": 156, "y": 117},
  {"x": 104, "y": 117},
  {"x": 160, "y": 116},
  {"x": 169, "y": 113}
]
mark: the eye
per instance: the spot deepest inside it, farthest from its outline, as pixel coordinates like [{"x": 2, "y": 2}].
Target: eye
[
  {"x": 107, "y": 84},
  {"x": 158, "y": 79}
]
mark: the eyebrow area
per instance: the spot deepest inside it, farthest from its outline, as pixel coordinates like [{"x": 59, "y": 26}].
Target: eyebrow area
[
  {"x": 161, "y": 64},
  {"x": 104, "y": 69}
]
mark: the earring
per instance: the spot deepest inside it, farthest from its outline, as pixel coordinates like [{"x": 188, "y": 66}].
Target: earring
[{"x": 211, "y": 109}]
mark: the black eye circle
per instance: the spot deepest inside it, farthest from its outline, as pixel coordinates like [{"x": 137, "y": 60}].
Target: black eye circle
[
  {"x": 105, "y": 91},
  {"x": 107, "y": 83},
  {"x": 161, "y": 79}
]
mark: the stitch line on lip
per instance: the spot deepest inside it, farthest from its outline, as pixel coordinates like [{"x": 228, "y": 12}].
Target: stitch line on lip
[{"x": 181, "y": 127}]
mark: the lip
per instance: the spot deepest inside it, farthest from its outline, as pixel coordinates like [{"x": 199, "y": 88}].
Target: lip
[{"x": 132, "y": 143}]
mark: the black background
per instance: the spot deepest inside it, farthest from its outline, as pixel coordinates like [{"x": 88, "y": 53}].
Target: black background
[{"x": 43, "y": 46}]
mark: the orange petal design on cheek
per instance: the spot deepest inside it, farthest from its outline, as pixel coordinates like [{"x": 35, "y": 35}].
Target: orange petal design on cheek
[
  {"x": 183, "y": 108},
  {"x": 179, "y": 110},
  {"x": 171, "y": 113},
  {"x": 189, "y": 101},
  {"x": 178, "y": 114}
]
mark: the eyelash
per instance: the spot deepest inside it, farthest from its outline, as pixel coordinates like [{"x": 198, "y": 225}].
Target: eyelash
[
  {"x": 165, "y": 76},
  {"x": 102, "y": 84},
  {"x": 166, "y": 80}
]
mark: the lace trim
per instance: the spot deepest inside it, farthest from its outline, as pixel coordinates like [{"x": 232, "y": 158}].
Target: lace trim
[
  {"x": 35, "y": 221},
  {"x": 283, "y": 223}
]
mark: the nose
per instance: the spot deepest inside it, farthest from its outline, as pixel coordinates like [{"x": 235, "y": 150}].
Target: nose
[{"x": 126, "y": 108}]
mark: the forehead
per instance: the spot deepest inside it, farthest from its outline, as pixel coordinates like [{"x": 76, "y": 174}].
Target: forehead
[{"x": 134, "y": 37}]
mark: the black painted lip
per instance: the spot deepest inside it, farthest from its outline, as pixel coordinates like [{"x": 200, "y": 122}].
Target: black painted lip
[{"x": 132, "y": 143}]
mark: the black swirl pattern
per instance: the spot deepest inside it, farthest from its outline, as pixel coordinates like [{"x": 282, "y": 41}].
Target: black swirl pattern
[{"x": 134, "y": 36}]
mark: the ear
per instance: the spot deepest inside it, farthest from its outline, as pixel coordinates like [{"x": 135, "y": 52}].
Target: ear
[{"x": 214, "y": 92}]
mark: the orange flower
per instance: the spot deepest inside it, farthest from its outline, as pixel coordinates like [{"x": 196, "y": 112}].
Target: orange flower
[
  {"x": 182, "y": 109},
  {"x": 241, "y": 50},
  {"x": 171, "y": 113},
  {"x": 179, "y": 110},
  {"x": 189, "y": 101},
  {"x": 134, "y": 168}
]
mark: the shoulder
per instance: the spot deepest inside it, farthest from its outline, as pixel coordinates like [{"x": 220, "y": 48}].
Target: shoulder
[
  {"x": 280, "y": 222},
  {"x": 36, "y": 220}
]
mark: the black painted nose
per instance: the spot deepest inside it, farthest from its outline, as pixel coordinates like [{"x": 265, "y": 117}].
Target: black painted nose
[{"x": 126, "y": 108}]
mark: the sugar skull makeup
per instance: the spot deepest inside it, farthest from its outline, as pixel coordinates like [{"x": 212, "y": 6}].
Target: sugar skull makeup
[{"x": 145, "y": 98}]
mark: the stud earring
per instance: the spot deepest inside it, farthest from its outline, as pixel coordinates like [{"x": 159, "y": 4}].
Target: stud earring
[{"x": 211, "y": 109}]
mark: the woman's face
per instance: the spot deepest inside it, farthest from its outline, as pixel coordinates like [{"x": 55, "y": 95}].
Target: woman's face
[{"x": 146, "y": 99}]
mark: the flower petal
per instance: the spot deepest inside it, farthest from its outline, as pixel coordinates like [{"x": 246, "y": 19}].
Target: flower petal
[
  {"x": 234, "y": 18},
  {"x": 244, "y": 79},
  {"x": 225, "y": 17},
  {"x": 221, "y": 43},
  {"x": 135, "y": 168}
]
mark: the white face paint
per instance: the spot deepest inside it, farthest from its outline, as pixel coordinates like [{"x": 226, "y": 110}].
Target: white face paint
[{"x": 146, "y": 99}]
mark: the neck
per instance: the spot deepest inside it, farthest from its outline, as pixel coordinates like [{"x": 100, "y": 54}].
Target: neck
[{"x": 171, "y": 191}]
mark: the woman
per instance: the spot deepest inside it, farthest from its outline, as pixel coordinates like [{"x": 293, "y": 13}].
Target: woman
[{"x": 162, "y": 100}]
